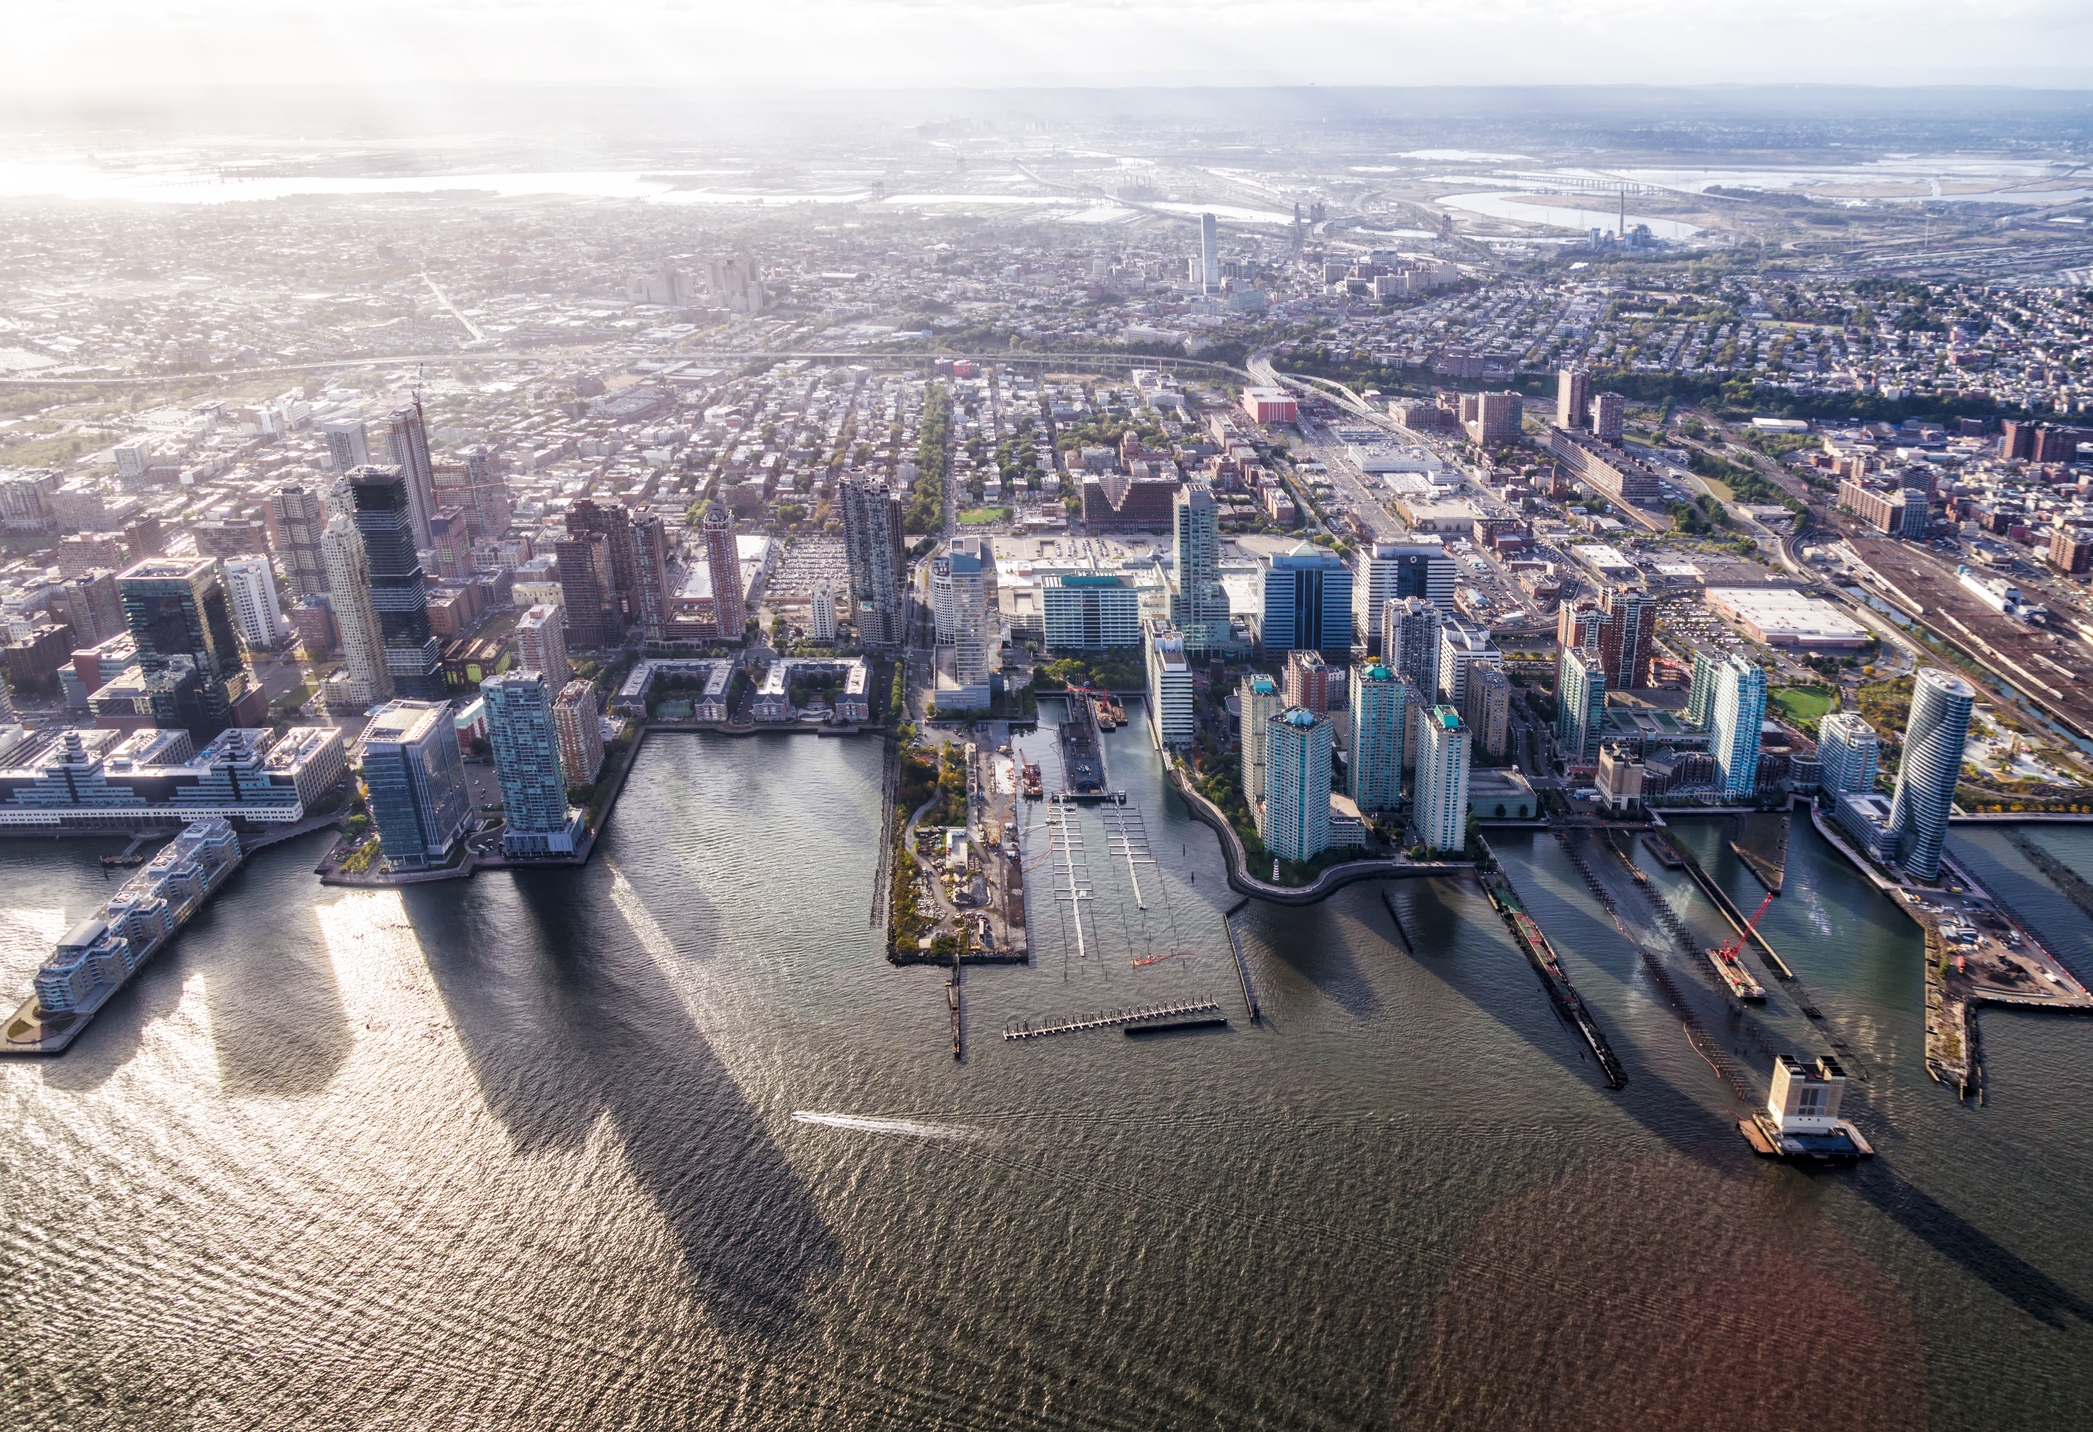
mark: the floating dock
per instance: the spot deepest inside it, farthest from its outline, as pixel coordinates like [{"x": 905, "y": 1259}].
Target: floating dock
[
  {"x": 1843, "y": 1144},
  {"x": 1113, "y": 1019},
  {"x": 1136, "y": 1031},
  {"x": 1660, "y": 846}
]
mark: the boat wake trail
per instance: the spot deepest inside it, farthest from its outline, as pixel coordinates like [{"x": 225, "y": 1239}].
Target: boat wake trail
[{"x": 908, "y": 1128}]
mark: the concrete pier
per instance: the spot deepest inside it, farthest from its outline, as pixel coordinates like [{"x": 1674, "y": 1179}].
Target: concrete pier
[{"x": 1534, "y": 945}]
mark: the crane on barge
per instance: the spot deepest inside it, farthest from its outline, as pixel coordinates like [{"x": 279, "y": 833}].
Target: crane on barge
[{"x": 1731, "y": 969}]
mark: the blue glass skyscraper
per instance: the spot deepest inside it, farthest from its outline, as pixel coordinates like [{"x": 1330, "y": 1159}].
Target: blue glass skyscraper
[
  {"x": 1736, "y": 711},
  {"x": 1308, "y": 602},
  {"x": 416, "y": 781},
  {"x": 525, "y": 743}
]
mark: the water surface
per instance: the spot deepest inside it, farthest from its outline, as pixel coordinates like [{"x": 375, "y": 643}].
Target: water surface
[{"x": 665, "y": 1141}]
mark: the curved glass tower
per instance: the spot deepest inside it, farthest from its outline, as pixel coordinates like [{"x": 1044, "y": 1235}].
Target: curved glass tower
[{"x": 1933, "y": 739}]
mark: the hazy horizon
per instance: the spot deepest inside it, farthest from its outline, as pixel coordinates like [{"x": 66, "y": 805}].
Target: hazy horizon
[{"x": 900, "y": 44}]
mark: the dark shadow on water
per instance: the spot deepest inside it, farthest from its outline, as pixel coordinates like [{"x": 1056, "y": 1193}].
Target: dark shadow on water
[
  {"x": 566, "y": 1021},
  {"x": 1688, "y": 1126},
  {"x": 1317, "y": 950},
  {"x": 118, "y": 1028},
  {"x": 2008, "y": 1274},
  {"x": 277, "y": 1021},
  {"x": 1520, "y": 1002}
]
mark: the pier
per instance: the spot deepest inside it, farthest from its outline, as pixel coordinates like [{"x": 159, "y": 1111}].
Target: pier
[
  {"x": 1982, "y": 955},
  {"x": 103, "y": 952},
  {"x": 1082, "y": 749},
  {"x": 1742, "y": 1028},
  {"x": 1762, "y": 845},
  {"x": 1704, "y": 1044},
  {"x": 1112, "y": 1020},
  {"x": 1534, "y": 945},
  {"x": 1242, "y": 965},
  {"x": 1721, "y": 900}
]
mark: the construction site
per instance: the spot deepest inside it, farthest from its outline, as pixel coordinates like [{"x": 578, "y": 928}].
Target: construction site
[{"x": 1742, "y": 1005}]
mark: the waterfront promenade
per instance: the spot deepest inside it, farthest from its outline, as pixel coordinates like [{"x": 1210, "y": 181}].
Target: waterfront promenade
[{"x": 1326, "y": 884}]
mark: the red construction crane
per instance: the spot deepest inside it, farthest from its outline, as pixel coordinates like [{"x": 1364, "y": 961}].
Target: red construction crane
[{"x": 1736, "y": 946}]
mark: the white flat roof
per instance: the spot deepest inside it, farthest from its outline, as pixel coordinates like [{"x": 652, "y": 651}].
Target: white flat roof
[{"x": 1782, "y": 616}]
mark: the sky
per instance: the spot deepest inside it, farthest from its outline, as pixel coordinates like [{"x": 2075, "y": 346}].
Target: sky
[{"x": 117, "y": 45}]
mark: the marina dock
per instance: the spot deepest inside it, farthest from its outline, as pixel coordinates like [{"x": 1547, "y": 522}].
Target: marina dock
[{"x": 1112, "y": 1019}]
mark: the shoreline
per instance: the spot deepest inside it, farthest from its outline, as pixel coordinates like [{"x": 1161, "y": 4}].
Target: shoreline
[
  {"x": 1328, "y": 883},
  {"x": 1952, "y": 1000},
  {"x": 470, "y": 864}
]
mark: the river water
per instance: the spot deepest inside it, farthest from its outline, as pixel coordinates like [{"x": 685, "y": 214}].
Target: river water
[{"x": 665, "y": 1141}]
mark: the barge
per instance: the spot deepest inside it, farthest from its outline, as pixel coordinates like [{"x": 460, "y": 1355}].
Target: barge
[{"x": 1735, "y": 978}]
